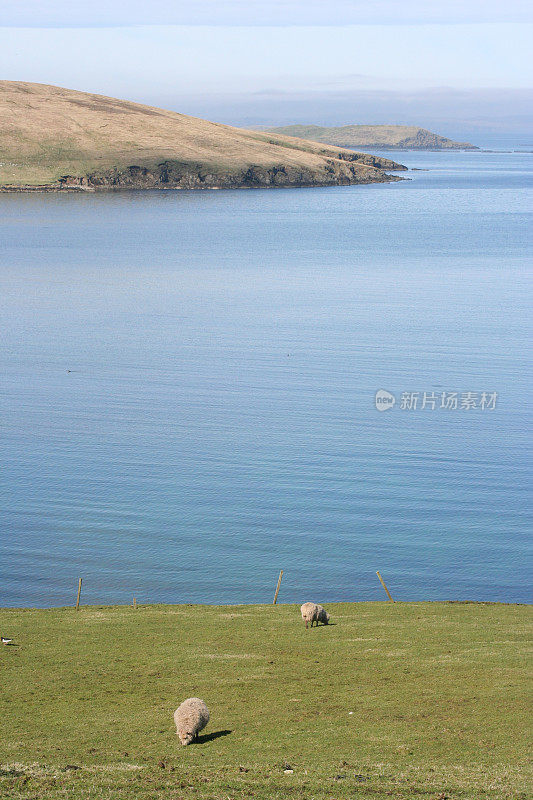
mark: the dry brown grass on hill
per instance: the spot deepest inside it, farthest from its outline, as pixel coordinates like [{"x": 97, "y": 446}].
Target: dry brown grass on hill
[{"x": 47, "y": 132}]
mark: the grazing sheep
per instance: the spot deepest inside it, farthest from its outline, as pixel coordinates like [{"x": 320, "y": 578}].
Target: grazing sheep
[
  {"x": 190, "y": 718},
  {"x": 311, "y": 612}
]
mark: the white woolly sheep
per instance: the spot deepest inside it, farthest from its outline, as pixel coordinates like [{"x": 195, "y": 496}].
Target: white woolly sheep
[
  {"x": 311, "y": 612},
  {"x": 308, "y": 613},
  {"x": 190, "y": 717}
]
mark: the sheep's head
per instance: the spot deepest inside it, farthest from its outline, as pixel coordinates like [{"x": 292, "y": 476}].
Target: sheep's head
[
  {"x": 185, "y": 737},
  {"x": 327, "y": 619}
]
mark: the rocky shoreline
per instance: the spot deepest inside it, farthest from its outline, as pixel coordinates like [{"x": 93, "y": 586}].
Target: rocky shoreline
[{"x": 342, "y": 171}]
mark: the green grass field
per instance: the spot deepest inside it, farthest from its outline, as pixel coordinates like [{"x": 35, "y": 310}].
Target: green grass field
[{"x": 404, "y": 700}]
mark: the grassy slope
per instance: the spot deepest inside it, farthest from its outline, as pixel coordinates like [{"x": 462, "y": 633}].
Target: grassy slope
[
  {"x": 47, "y": 132},
  {"x": 401, "y": 136},
  {"x": 438, "y": 693}
]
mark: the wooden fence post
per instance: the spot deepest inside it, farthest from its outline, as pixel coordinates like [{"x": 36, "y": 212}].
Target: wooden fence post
[
  {"x": 277, "y": 587},
  {"x": 79, "y": 593},
  {"x": 134, "y": 603},
  {"x": 383, "y": 584}
]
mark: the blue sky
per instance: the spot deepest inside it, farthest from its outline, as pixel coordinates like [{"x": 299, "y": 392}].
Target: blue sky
[
  {"x": 169, "y": 50},
  {"x": 102, "y": 13}
]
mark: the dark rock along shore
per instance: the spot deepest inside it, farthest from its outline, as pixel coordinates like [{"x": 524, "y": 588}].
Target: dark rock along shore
[{"x": 177, "y": 175}]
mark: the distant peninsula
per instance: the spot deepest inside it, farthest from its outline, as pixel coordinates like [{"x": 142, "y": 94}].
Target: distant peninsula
[
  {"x": 386, "y": 137},
  {"x": 54, "y": 139}
]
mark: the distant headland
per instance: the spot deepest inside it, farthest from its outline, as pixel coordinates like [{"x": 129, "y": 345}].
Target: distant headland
[
  {"x": 54, "y": 139},
  {"x": 387, "y": 137}
]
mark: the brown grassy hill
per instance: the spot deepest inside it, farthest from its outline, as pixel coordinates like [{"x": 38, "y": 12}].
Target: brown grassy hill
[
  {"x": 58, "y": 138},
  {"x": 392, "y": 137}
]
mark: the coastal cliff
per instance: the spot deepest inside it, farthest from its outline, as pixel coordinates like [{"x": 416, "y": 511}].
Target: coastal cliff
[
  {"x": 389, "y": 137},
  {"x": 54, "y": 139}
]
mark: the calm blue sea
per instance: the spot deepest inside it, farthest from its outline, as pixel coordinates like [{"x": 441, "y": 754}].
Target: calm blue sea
[{"x": 188, "y": 390}]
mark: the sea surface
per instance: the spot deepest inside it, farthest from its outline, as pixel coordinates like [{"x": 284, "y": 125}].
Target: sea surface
[{"x": 188, "y": 386}]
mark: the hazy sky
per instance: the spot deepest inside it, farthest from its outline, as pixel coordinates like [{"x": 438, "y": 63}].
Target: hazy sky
[
  {"x": 208, "y": 58},
  {"x": 101, "y": 13},
  {"x": 173, "y": 49}
]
